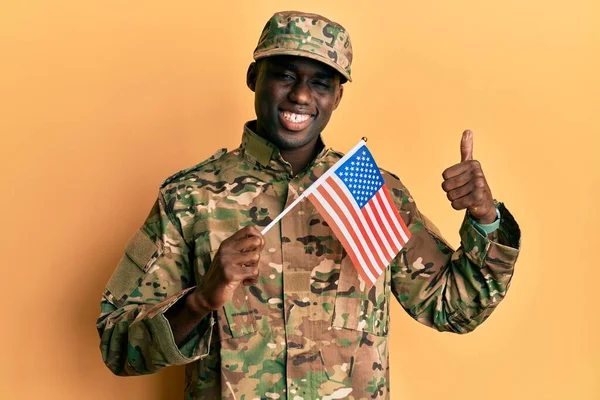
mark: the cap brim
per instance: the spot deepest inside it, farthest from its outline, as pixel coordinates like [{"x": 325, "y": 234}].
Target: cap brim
[{"x": 300, "y": 53}]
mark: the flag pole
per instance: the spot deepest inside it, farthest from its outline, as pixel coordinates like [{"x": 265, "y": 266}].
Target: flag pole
[
  {"x": 315, "y": 184},
  {"x": 276, "y": 220}
]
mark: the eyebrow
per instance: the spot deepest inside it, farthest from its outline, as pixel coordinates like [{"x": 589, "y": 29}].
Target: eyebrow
[{"x": 294, "y": 68}]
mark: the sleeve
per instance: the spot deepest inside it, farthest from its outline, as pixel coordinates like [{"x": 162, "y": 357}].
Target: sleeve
[
  {"x": 153, "y": 274},
  {"x": 453, "y": 291}
]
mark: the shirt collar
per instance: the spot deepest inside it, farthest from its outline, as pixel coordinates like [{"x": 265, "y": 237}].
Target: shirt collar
[
  {"x": 265, "y": 153},
  {"x": 258, "y": 148}
]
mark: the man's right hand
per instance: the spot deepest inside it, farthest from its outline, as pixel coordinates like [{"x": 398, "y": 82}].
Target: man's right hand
[{"x": 235, "y": 262}]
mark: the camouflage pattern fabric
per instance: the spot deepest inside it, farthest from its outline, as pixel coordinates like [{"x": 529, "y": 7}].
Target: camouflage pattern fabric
[
  {"x": 310, "y": 329},
  {"x": 295, "y": 33}
]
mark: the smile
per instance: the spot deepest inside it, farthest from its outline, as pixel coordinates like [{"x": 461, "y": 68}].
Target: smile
[
  {"x": 295, "y": 117},
  {"x": 294, "y": 122}
]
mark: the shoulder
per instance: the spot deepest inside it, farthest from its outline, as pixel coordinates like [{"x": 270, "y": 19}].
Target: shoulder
[
  {"x": 390, "y": 176},
  {"x": 190, "y": 172},
  {"x": 333, "y": 156},
  {"x": 396, "y": 187}
]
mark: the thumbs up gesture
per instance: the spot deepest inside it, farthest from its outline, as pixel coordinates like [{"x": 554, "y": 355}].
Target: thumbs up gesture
[{"x": 466, "y": 187}]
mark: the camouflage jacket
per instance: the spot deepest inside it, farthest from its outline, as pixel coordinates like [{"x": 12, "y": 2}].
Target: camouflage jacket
[{"x": 310, "y": 329}]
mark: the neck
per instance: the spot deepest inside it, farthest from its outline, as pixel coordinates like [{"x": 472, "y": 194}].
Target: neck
[{"x": 299, "y": 158}]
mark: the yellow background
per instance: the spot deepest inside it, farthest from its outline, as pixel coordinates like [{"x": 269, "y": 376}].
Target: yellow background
[{"x": 102, "y": 100}]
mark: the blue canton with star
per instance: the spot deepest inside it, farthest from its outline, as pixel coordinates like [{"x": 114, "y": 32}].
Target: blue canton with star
[{"x": 361, "y": 175}]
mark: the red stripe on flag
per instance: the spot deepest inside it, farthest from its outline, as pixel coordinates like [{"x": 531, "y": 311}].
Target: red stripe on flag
[
  {"x": 395, "y": 210},
  {"x": 384, "y": 229},
  {"x": 366, "y": 237},
  {"x": 340, "y": 236},
  {"x": 333, "y": 203},
  {"x": 390, "y": 218},
  {"x": 382, "y": 240}
]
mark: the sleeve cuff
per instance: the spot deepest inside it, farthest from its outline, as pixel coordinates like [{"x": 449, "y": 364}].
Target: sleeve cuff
[
  {"x": 486, "y": 229},
  {"x": 477, "y": 246},
  {"x": 197, "y": 344}
]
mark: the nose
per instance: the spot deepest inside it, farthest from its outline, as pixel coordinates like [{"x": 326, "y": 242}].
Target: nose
[{"x": 300, "y": 93}]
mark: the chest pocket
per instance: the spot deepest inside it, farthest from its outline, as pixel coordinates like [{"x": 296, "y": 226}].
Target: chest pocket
[
  {"x": 236, "y": 318},
  {"x": 358, "y": 307}
]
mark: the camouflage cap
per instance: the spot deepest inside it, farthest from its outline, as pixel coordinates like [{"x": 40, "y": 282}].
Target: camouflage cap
[{"x": 296, "y": 33}]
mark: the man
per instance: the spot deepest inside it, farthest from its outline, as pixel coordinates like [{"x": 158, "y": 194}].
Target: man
[{"x": 286, "y": 315}]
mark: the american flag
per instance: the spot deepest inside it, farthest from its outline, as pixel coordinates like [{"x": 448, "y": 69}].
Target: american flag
[{"x": 354, "y": 200}]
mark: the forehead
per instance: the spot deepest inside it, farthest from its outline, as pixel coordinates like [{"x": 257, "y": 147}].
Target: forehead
[{"x": 300, "y": 64}]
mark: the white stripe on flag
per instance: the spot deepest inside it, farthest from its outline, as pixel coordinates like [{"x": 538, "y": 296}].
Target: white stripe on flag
[
  {"x": 386, "y": 202},
  {"x": 354, "y": 226},
  {"x": 388, "y": 246},
  {"x": 342, "y": 227},
  {"x": 370, "y": 234},
  {"x": 386, "y": 223}
]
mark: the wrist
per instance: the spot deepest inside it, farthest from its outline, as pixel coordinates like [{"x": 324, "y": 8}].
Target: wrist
[
  {"x": 489, "y": 218},
  {"x": 196, "y": 305}
]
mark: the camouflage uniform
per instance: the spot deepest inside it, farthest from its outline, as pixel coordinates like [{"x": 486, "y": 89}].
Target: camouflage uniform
[{"x": 310, "y": 329}]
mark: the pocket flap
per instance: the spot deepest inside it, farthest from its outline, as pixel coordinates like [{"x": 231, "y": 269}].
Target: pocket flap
[
  {"x": 141, "y": 249},
  {"x": 361, "y": 308},
  {"x": 124, "y": 280},
  {"x": 132, "y": 268}
]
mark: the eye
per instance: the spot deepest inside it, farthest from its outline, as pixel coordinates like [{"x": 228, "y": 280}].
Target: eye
[
  {"x": 285, "y": 76},
  {"x": 322, "y": 84}
]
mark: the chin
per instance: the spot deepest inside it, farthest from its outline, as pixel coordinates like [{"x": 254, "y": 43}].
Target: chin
[{"x": 287, "y": 140}]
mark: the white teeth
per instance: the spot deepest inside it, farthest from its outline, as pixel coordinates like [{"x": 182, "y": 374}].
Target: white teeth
[{"x": 296, "y": 118}]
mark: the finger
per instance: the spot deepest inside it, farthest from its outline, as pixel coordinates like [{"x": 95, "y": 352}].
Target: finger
[
  {"x": 455, "y": 170},
  {"x": 457, "y": 181},
  {"x": 251, "y": 276},
  {"x": 473, "y": 199},
  {"x": 462, "y": 191},
  {"x": 461, "y": 203},
  {"x": 250, "y": 282},
  {"x": 245, "y": 232},
  {"x": 248, "y": 259},
  {"x": 250, "y": 243},
  {"x": 466, "y": 146},
  {"x": 252, "y": 232},
  {"x": 470, "y": 165}
]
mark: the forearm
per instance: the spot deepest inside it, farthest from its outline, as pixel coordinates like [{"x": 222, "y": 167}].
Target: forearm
[
  {"x": 184, "y": 316},
  {"x": 125, "y": 346},
  {"x": 457, "y": 299},
  {"x": 154, "y": 275},
  {"x": 138, "y": 339},
  {"x": 455, "y": 290}
]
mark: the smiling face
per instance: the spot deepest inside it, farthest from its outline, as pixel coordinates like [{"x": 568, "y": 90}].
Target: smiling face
[{"x": 294, "y": 99}]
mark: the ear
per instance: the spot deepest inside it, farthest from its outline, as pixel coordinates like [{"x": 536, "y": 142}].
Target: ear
[
  {"x": 251, "y": 76},
  {"x": 339, "y": 96}
]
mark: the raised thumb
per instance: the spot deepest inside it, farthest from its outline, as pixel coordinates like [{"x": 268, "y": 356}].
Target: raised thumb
[{"x": 466, "y": 146}]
